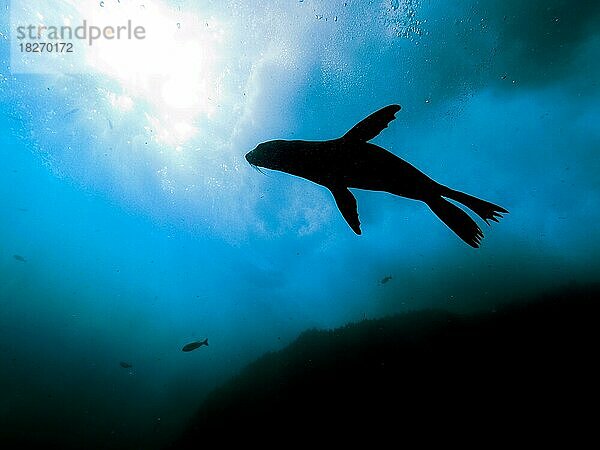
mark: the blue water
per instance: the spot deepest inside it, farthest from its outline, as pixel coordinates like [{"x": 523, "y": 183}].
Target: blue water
[{"x": 137, "y": 235}]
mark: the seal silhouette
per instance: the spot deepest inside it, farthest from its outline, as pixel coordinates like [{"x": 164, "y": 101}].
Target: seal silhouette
[{"x": 353, "y": 162}]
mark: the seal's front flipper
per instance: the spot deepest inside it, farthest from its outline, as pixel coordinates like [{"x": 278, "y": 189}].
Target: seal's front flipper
[
  {"x": 346, "y": 203},
  {"x": 368, "y": 128}
]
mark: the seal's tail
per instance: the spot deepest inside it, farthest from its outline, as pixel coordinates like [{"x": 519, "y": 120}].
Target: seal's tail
[
  {"x": 459, "y": 221},
  {"x": 486, "y": 210}
]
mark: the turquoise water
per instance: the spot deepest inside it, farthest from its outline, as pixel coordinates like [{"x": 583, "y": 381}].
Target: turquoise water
[{"x": 132, "y": 225}]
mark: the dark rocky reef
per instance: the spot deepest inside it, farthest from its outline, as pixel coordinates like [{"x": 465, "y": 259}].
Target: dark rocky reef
[{"x": 526, "y": 372}]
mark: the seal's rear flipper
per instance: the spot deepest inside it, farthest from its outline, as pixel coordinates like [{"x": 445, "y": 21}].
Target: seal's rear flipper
[
  {"x": 457, "y": 220},
  {"x": 486, "y": 210},
  {"x": 346, "y": 203},
  {"x": 368, "y": 128}
]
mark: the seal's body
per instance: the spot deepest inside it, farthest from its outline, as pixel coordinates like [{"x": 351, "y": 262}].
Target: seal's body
[{"x": 352, "y": 162}]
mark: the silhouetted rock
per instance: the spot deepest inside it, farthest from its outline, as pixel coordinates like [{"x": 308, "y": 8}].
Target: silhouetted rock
[{"x": 526, "y": 369}]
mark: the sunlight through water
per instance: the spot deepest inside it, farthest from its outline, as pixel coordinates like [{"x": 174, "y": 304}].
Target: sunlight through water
[{"x": 175, "y": 70}]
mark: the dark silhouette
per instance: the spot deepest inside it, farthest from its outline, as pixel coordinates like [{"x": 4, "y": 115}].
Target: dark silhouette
[
  {"x": 19, "y": 258},
  {"x": 352, "y": 162},
  {"x": 125, "y": 365},
  {"x": 194, "y": 345},
  {"x": 386, "y": 279},
  {"x": 521, "y": 372}
]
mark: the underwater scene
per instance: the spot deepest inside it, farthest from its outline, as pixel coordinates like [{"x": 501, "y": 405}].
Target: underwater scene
[{"x": 297, "y": 221}]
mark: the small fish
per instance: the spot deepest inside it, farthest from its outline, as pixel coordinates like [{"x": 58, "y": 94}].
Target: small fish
[
  {"x": 387, "y": 279},
  {"x": 194, "y": 345},
  {"x": 72, "y": 111},
  {"x": 19, "y": 258},
  {"x": 125, "y": 365}
]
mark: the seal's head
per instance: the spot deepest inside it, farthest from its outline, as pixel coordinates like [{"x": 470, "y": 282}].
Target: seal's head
[{"x": 267, "y": 155}]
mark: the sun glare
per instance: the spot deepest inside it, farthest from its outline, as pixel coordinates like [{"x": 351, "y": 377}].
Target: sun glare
[{"x": 172, "y": 74}]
